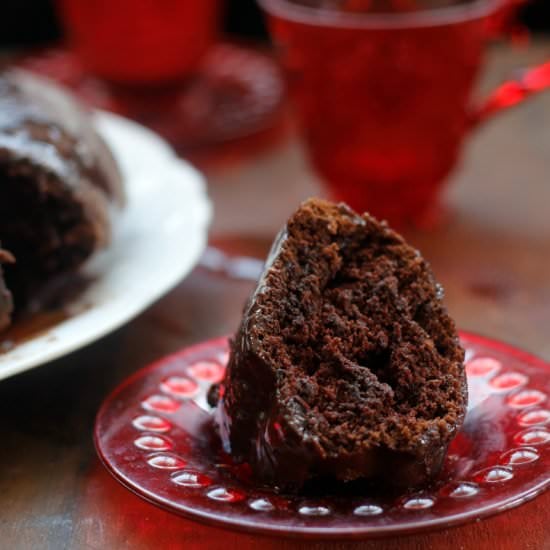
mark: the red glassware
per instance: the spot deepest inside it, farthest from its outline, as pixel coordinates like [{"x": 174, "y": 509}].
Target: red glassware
[
  {"x": 155, "y": 434},
  {"x": 140, "y": 41},
  {"x": 235, "y": 93},
  {"x": 383, "y": 100}
]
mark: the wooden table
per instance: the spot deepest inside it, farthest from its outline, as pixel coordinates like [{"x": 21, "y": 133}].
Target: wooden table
[{"x": 493, "y": 257}]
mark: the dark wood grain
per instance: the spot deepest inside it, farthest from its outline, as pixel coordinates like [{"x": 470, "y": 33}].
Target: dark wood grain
[{"x": 492, "y": 255}]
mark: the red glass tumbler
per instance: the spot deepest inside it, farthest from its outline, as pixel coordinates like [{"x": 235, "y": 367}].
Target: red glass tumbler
[{"x": 140, "y": 41}]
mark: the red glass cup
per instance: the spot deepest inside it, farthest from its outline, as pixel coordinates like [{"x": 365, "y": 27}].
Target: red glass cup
[
  {"x": 140, "y": 41},
  {"x": 384, "y": 100}
]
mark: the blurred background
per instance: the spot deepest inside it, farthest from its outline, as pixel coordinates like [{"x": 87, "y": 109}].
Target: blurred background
[
  {"x": 34, "y": 22},
  {"x": 225, "y": 107}
]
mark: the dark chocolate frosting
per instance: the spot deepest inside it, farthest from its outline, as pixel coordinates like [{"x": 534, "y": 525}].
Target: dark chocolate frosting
[{"x": 44, "y": 126}]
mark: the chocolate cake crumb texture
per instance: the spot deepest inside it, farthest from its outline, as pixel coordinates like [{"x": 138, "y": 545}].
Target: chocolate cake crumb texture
[{"x": 346, "y": 363}]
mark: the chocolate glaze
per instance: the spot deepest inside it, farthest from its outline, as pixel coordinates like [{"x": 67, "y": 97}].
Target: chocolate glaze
[
  {"x": 43, "y": 125},
  {"x": 273, "y": 435},
  {"x": 50, "y": 151}
]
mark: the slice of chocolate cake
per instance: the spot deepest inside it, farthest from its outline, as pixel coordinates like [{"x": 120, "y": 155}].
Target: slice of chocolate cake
[
  {"x": 346, "y": 363},
  {"x": 58, "y": 183}
]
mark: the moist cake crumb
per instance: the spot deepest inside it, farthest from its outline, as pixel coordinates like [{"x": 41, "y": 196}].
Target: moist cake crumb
[{"x": 346, "y": 363}]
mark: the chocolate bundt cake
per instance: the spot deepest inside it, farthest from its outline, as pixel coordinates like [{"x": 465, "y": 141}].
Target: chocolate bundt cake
[
  {"x": 346, "y": 364},
  {"x": 58, "y": 181}
]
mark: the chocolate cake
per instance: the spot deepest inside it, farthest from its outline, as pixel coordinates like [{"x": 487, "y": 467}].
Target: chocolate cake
[
  {"x": 346, "y": 364},
  {"x": 58, "y": 182}
]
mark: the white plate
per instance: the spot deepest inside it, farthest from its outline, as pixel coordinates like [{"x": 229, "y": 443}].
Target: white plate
[{"x": 157, "y": 239}]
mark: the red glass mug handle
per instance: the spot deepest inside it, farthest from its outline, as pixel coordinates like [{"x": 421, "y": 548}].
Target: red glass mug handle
[{"x": 512, "y": 92}]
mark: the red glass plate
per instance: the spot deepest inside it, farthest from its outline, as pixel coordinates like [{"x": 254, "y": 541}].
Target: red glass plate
[
  {"x": 154, "y": 434},
  {"x": 236, "y": 92}
]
